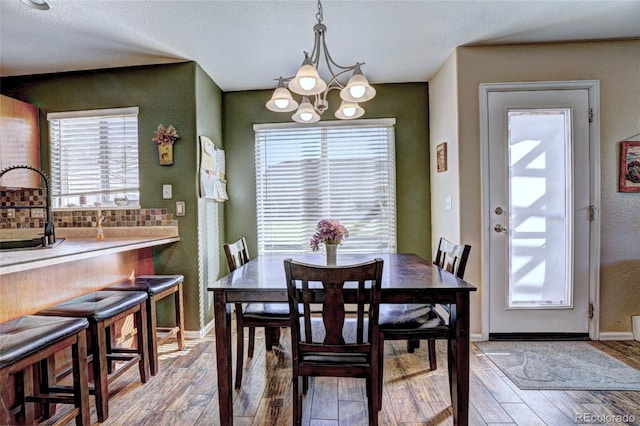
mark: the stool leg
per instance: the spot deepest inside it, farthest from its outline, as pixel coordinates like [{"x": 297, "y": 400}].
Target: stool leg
[
  {"x": 143, "y": 350},
  {"x": 28, "y": 409},
  {"x": 152, "y": 335},
  {"x": 81, "y": 379},
  {"x": 47, "y": 378},
  {"x": 5, "y": 397},
  {"x": 179, "y": 305},
  {"x": 100, "y": 371}
]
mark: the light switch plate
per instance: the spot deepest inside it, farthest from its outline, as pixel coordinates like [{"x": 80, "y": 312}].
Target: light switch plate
[
  {"x": 37, "y": 213},
  {"x": 447, "y": 203},
  {"x": 167, "y": 191},
  {"x": 180, "y": 208}
]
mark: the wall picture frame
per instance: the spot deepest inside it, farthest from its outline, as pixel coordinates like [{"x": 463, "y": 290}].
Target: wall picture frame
[
  {"x": 629, "y": 166},
  {"x": 441, "y": 157}
]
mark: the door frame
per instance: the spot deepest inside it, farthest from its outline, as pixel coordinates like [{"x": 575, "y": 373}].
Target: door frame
[{"x": 593, "y": 89}]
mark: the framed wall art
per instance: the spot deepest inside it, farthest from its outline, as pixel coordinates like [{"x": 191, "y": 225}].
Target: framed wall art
[
  {"x": 629, "y": 166},
  {"x": 441, "y": 157}
]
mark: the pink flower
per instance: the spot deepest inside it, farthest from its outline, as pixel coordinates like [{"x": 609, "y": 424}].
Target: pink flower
[
  {"x": 165, "y": 135},
  {"x": 328, "y": 231}
]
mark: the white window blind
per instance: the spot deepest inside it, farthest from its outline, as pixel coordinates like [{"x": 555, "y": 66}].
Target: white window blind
[
  {"x": 94, "y": 157},
  {"x": 337, "y": 171}
]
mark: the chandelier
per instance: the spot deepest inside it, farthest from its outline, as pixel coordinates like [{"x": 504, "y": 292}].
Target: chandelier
[{"x": 307, "y": 83}]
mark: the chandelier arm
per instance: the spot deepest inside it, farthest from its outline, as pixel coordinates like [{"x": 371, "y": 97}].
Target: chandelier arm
[
  {"x": 338, "y": 84},
  {"x": 330, "y": 60}
]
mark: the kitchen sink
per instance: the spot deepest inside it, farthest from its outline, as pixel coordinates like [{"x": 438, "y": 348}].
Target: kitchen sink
[{"x": 34, "y": 243}]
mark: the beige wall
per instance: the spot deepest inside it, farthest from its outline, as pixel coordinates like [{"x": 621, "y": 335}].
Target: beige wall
[
  {"x": 443, "y": 126},
  {"x": 616, "y": 65}
]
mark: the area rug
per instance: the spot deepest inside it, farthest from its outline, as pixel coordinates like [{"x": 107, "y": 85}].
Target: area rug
[{"x": 560, "y": 366}]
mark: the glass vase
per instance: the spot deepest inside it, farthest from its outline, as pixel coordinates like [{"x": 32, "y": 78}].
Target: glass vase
[{"x": 331, "y": 249}]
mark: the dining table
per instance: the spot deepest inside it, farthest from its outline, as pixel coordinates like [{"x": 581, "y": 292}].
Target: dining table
[{"x": 407, "y": 278}]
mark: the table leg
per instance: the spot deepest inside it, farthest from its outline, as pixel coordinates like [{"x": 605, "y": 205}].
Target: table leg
[
  {"x": 223, "y": 357},
  {"x": 459, "y": 356}
]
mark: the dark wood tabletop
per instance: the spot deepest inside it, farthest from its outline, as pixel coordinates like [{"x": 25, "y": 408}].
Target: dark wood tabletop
[{"x": 407, "y": 278}]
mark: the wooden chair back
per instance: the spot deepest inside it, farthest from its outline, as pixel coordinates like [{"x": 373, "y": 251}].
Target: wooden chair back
[
  {"x": 237, "y": 254},
  {"x": 452, "y": 257},
  {"x": 312, "y": 284}
]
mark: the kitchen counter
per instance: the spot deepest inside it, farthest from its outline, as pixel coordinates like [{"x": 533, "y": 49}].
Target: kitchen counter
[
  {"x": 74, "y": 249},
  {"x": 33, "y": 279}
]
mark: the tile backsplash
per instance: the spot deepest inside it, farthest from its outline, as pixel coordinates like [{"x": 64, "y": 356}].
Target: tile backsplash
[{"x": 24, "y": 208}]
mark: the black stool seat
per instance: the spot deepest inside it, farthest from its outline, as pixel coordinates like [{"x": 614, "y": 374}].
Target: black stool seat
[
  {"x": 104, "y": 309},
  {"x": 158, "y": 287},
  {"x": 97, "y": 306},
  {"x": 27, "y": 335},
  {"x": 152, "y": 284},
  {"x": 28, "y": 392}
]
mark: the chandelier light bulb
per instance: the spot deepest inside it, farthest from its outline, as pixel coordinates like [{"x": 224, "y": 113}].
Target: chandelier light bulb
[
  {"x": 349, "y": 111},
  {"x": 358, "y": 88},
  {"x": 306, "y": 113},
  {"x": 307, "y": 82},
  {"x": 357, "y": 91},
  {"x": 281, "y": 101}
]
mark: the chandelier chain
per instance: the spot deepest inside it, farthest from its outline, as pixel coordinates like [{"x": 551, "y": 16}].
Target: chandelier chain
[{"x": 319, "y": 16}]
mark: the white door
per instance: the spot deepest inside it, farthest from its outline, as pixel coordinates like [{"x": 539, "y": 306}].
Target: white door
[{"x": 540, "y": 212}]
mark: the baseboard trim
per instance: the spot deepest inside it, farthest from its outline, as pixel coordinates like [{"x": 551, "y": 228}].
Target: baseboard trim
[
  {"x": 539, "y": 336},
  {"x": 199, "y": 334},
  {"x": 615, "y": 335},
  {"x": 476, "y": 337}
]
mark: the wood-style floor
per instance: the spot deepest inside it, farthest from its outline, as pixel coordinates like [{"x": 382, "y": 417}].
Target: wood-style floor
[{"x": 184, "y": 392}]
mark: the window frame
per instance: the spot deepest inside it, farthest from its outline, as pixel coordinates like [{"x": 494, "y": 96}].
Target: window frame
[
  {"x": 388, "y": 234},
  {"x": 105, "y": 196}
]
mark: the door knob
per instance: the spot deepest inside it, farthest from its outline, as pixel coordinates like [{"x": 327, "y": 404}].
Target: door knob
[{"x": 500, "y": 228}]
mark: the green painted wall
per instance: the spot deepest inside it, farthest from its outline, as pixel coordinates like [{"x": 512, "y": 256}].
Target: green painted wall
[
  {"x": 408, "y": 103},
  {"x": 178, "y": 94}
]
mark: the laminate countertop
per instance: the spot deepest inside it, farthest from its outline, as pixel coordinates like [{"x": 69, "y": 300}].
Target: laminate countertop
[{"x": 78, "y": 245}]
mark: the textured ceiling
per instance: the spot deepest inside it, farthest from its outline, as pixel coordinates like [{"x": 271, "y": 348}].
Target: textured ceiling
[{"x": 244, "y": 45}]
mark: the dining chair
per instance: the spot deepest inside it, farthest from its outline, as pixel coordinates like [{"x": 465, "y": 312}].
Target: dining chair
[
  {"x": 415, "y": 322},
  {"x": 267, "y": 315},
  {"x": 334, "y": 344}
]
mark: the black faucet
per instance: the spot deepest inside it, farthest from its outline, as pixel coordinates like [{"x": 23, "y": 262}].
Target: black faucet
[{"x": 49, "y": 231}]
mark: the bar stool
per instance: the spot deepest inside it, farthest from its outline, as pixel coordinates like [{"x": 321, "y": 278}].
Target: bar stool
[
  {"x": 103, "y": 309},
  {"x": 28, "y": 341},
  {"x": 158, "y": 287}
]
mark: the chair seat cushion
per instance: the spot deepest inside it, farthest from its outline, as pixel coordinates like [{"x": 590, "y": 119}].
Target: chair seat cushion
[
  {"x": 331, "y": 359},
  {"x": 29, "y": 334},
  {"x": 97, "y": 306},
  {"x": 409, "y": 316},
  {"x": 152, "y": 284},
  {"x": 266, "y": 311}
]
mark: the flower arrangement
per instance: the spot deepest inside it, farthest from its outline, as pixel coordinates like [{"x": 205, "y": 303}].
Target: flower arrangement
[
  {"x": 165, "y": 135},
  {"x": 328, "y": 231}
]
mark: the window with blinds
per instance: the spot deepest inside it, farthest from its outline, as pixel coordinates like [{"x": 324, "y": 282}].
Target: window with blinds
[
  {"x": 94, "y": 157},
  {"x": 343, "y": 171}
]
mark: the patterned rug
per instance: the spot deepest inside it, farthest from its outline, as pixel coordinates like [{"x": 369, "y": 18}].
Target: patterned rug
[{"x": 560, "y": 365}]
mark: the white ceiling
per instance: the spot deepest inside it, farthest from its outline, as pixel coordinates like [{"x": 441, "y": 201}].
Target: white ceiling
[{"x": 244, "y": 45}]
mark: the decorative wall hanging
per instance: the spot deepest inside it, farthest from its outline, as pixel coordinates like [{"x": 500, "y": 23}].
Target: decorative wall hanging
[
  {"x": 441, "y": 157},
  {"x": 630, "y": 166},
  {"x": 212, "y": 171},
  {"x": 165, "y": 137}
]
